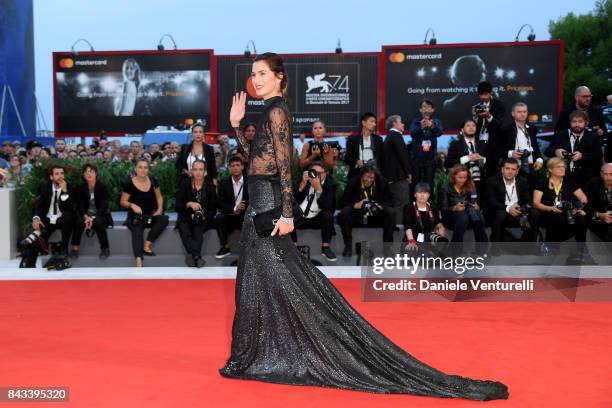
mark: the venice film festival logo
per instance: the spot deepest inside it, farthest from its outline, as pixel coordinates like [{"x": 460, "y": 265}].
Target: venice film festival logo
[{"x": 324, "y": 89}]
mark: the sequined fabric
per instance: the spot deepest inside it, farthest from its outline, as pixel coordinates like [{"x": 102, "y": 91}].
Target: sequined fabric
[{"x": 293, "y": 327}]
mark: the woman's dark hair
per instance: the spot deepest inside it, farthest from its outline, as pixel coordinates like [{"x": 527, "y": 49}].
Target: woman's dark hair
[
  {"x": 141, "y": 159},
  {"x": 197, "y": 125},
  {"x": 469, "y": 183},
  {"x": 89, "y": 166},
  {"x": 245, "y": 127},
  {"x": 422, "y": 188},
  {"x": 275, "y": 62},
  {"x": 367, "y": 116}
]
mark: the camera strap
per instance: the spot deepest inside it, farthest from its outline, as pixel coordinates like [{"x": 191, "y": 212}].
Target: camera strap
[
  {"x": 365, "y": 193},
  {"x": 418, "y": 214},
  {"x": 557, "y": 191}
]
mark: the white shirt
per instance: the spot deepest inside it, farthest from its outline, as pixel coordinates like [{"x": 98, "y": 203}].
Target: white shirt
[
  {"x": 523, "y": 143},
  {"x": 466, "y": 158},
  {"x": 55, "y": 190},
  {"x": 238, "y": 190},
  {"x": 511, "y": 194},
  {"x": 365, "y": 150},
  {"x": 573, "y": 139},
  {"x": 192, "y": 158},
  {"x": 314, "y": 207}
]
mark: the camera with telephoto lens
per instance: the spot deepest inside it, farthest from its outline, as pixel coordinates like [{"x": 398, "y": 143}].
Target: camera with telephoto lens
[
  {"x": 524, "y": 210},
  {"x": 567, "y": 156},
  {"x": 30, "y": 239},
  {"x": 525, "y": 160},
  {"x": 138, "y": 219},
  {"x": 567, "y": 207},
  {"x": 474, "y": 167},
  {"x": 473, "y": 214},
  {"x": 198, "y": 217},
  {"x": 369, "y": 209},
  {"x": 480, "y": 108},
  {"x": 437, "y": 238}
]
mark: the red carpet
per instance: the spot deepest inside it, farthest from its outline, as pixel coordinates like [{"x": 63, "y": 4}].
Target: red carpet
[{"x": 159, "y": 343}]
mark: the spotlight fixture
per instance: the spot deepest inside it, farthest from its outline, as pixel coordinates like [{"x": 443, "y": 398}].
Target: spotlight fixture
[
  {"x": 339, "y": 47},
  {"x": 74, "y": 52},
  {"x": 432, "y": 40},
  {"x": 160, "y": 46},
  {"x": 247, "y": 50},
  {"x": 530, "y": 37}
]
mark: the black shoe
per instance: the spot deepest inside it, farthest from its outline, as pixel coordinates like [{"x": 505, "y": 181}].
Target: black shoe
[
  {"x": 199, "y": 261},
  {"x": 328, "y": 253},
  {"x": 223, "y": 252},
  {"x": 348, "y": 251},
  {"x": 104, "y": 253},
  {"x": 190, "y": 261},
  {"x": 147, "y": 253}
]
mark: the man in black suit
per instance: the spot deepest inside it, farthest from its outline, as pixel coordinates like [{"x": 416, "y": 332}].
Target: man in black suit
[
  {"x": 490, "y": 115},
  {"x": 580, "y": 148},
  {"x": 232, "y": 202},
  {"x": 316, "y": 197},
  {"x": 397, "y": 169},
  {"x": 599, "y": 205},
  {"x": 366, "y": 147},
  {"x": 365, "y": 203},
  {"x": 182, "y": 157},
  {"x": 196, "y": 205},
  {"x": 508, "y": 194},
  {"x": 518, "y": 139},
  {"x": 55, "y": 210},
  {"x": 583, "y": 96},
  {"x": 467, "y": 149}
]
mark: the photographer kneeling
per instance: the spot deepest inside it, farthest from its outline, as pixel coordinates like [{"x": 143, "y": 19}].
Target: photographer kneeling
[
  {"x": 459, "y": 204},
  {"x": 142, "y": 198},
  {"x": 560, "y": 202},
  {"x": 420, "y": 221},
  {"x": 510, "y": 202},
  {"x": 365, "y": 203},
  {"x": 196, "y": 208}
]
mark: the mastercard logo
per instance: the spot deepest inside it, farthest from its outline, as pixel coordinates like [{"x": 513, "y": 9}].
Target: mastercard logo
[
  {"x": 66, "y": 63},
  {"x": 251, "y": 88},
  {"x": 397, "y": 57},
  {"x": 533, "y": 118}
]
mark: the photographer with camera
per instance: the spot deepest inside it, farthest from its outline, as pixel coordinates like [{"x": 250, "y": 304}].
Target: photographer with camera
[
  {"x": 459, "y": 205},
  {"x": 580, "y": 149},
  {"x": 599, "y": 208},
  {"x": 509, "y": 200},
  {"x": 232, "y": 202},
  {"x": 316, "y": 149},
  {"x": 424, "y": 132},
  {"x": 365, "y": 203},
  {"x": 560, "y": 202},
  {"x": 196, "y": 207},
  {"x": 55, "y": 211},
  {"x": 93, "y": 213},
  {"x": 421, "y": 222},
  {"x": 469, "y": 151},
  {"x": 490, "y": 115},
  {"x": 364, "y": 148},
  {"x": 142, "y": 198},
  {"x": 316, "y": 196}
]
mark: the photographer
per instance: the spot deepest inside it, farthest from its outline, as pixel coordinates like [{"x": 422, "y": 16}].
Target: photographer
[
  {"x": 509, "y": 201},
  {"x": 421, "y": 222},
  {"x": 560, "y": 203},
  {"x": 54, "y": 211},
  {"x": 142, "y": 198},
  {"x": 425, "y": 132},
  {"x": 490, "y": 116},
  {"x": 397, "y": 170},
  {"x": 365, "y": 203},
  {"x": 580, "y": 149},
  {"x": 232, "y": 202},
  {"x": 468, "y": 150},
  {"x": 317, "y": 149},
  {"x": 599, "y": 208},
  {"x": 316, "y": 195},
  {"x": 93, "y": 213},
  {"x": 459, "y": 205},
  {"x": 519, "y": 141},
  {"x": 366, "y": 147},
  {"x": 196, "y": 208}
]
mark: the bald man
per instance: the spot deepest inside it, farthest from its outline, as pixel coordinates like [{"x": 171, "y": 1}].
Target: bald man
[
  {"x": 583, "y": 97},
  {"x": 599, "y": 206}
]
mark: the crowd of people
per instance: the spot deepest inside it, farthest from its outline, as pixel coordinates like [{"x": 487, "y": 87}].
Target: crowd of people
[{"x": 495, "y": 174}]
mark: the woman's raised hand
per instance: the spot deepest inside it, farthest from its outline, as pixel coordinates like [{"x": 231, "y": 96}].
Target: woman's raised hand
[{"x": 238, "y": 108}]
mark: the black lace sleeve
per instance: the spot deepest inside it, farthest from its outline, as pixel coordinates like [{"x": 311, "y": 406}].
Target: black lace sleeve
[
  {"x": 242, "y": 141},
  {"x": 281, "y": 140}
]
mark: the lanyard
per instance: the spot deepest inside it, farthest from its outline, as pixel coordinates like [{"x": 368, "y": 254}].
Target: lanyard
[
  {"x": 526, "y": 137},
  {"x": 557, "y": 192},
  {"x": 509, "y": 197},
  {"x": 418, "y": 214},
  {"x": 365, "y": 193},
  {"x": 238, "y": 194}
]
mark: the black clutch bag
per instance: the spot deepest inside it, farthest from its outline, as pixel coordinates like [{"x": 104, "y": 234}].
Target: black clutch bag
[{"x": 266, "y": 221}]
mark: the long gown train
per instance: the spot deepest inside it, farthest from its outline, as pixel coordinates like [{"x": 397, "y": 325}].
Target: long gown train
[{"x": 292, "y": 326}]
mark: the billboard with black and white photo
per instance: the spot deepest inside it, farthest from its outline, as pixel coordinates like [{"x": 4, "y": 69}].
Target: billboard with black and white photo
[
  {"x": 529, "y": 72},
  {"x": 131, "y": 91},
  {"x": 335, "y": 88}
]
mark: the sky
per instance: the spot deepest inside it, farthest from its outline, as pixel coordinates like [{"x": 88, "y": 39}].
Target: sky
[{"x": 280, "y": 26}]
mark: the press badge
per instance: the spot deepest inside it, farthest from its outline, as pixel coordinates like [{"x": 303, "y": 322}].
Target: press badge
[
  {"x": 420, "y": 237},
  {"x": 53, "y": 219},
  {"x": 426, "y": 145}
]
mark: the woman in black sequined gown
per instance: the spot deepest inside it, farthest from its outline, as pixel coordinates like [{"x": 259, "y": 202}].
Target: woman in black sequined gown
[{"x": 292, "y": 326}]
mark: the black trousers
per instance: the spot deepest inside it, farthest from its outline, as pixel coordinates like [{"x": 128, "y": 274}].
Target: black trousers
[
  {"x": 601, "y": 229},
  {"x": 350, "y": 216},
  {"x": 158, "y": 225},
  {"x": 459, "y": 222},
  {"x": 98, "y": 225},
  {"x": 424, "y": 174},
  {"x": 502, "y": 220},
  {"x": 226, "y": 223},
  {"x": 192, "y": 235},
  {"x": 324, "y": 221},
  {"x": 65, "y": 223},
  {"x": 559, "y": 230}
]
